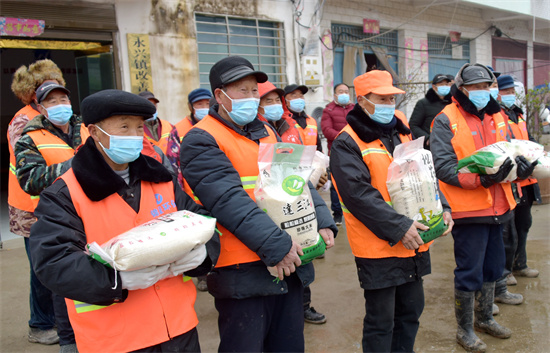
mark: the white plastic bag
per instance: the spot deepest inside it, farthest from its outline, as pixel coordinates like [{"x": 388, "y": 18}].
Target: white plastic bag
[
  {"x": 488, "y": 159},
  {"x": 542, "y": 169},
  {"x": 413, "y": 187},
  {"x": 158, "y": 242},
  {"x": 282, "y": 189},
  {"x": 320, "y": 164}
]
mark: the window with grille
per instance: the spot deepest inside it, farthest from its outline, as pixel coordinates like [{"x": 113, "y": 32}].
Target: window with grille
[
  {"x": 260, "y": 42},
  {"x": 446, "y": 57},
  {"x": 349, "y": 35}
]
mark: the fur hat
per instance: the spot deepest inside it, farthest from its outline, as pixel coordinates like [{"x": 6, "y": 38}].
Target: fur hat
[{"x": 27, "y": 80}]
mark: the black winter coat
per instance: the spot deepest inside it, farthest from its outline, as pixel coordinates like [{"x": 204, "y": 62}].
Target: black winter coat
[
  {"x": 217, "y": 184},
  {"x": 58, "y": 241},
  {"x": 365, "y": 202},
  {"x": 424, "y": 113}
]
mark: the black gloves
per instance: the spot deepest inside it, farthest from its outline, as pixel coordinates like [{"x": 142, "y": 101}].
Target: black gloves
[
  {"x": 491, "y": 179},
  {"x": 524, "y": 167}
]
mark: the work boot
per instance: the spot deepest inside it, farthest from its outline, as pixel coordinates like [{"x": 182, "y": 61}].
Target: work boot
[
  {"x": 48, "y": 337},
  {"x": 484, "y": 321},
  {"x": 496, "y": 310},
  {"x": 313, "y": 317},
  {"x": 201, "y": 284},
  {"x": 511, "y": 280},
  {"x": 502, "y": 295},
  {"x": 464, "y": 312},
  {"x": 68, "y": 348},
  {"x": 527, "y": 272}
]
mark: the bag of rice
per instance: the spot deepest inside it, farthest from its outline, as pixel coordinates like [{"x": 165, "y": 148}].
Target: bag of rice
[
  {"x": 160, "y": 241},
  {"x": 542, "y": 170},
  {"x": 488, "y": 159},
  {"x": 282, "y": 192},
  {"x": 320, "y": 164},
  {"x": 413, "y": 187}
]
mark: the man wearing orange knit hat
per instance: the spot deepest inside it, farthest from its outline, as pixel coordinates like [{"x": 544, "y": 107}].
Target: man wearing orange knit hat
[{"x": 390, "y": 256}]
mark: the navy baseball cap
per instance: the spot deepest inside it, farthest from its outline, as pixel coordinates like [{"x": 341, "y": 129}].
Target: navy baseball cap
[
  {"x": 199, "y": 94},
  {"x": 505, "y": 81}
]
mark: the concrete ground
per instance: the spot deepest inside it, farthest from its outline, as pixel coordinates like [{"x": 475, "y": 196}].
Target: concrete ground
[{"x": 337, "y": 294}]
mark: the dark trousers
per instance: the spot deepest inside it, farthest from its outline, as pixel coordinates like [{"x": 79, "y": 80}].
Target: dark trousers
[
  {"x": 40, "y": 300},
  {"x": 523, "y": 220},
  {"x": 335, "y": 202},
  {"x": 510, "y": 239},
  {"x": 188, "y": 342},
  {"x": 479, "y": 255},
  {"x": 64, "y": 328},
  {"x": 272, "y": 323},
  {"x": 307, "y": 298},
  {"x": 391, "y": 320}
]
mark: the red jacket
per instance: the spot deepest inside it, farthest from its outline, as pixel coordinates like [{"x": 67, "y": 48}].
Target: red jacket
[{"x": 334, "y": 120}]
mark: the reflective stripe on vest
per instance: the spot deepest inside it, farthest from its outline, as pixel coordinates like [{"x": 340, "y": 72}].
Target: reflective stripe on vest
[
  {"x": 363, "y": 242},
  {"x": 309, "y": 133},
  {"x": 167, "y": 307},
  {"x": 17, "y": 197},
  {"x": 245, "y": 161},
  {"x": 463, "y": 142},
  {"x": 53, "y": 149}
]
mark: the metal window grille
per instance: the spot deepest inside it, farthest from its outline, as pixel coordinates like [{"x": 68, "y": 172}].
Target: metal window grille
[
  {"x": 259, "y": 41},
  {"x": 349, "y": 35},
  {"x": 441, "y": 46}
]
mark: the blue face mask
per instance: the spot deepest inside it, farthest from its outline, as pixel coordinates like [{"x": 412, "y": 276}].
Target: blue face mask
[
  {"x": 201, "y": 113},
  {"x": 154, "y": 117},
  {"x": 494, "y": 93},
  {"x": 443, "y": 90},
  {"x": 273, "y": 112},
  {"x": 343, "y": 98},
  {"x": 243, "y": 111},
  {"x": 508, "y": 100},
  {"x": 123, "y": 149},
  {"x": 297, "y": 105},
  {"x": 383, "y": 113},
  {"x": 480, "y": 98},
  {"x": 59, "y": 114}
]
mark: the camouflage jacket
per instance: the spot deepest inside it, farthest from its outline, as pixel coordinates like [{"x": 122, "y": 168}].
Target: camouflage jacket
[{"x": 33, "y": 173}]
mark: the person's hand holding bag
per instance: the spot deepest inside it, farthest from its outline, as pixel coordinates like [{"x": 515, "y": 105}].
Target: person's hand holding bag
[
  {"x": 144, "y": 278},
  {"x": 524, "y": 167},
  {"x": 492, "y": 179},
  {"x": 189, "y": 262}
]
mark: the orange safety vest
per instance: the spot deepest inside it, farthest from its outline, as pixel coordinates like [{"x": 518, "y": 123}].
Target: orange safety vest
[
  {"x": 309, "y": 133},
  {"x": 165, "y": 130},
  {"x": 183, "y": 126},
  {"x": 363, "y": 242},
  {"x": 243, "y": 154},
  {"x": 148, "y": 316},
  {"x": 52, "y": 148},
  {"x": 149, "y": 150},
  {"x": 16, "y": 196},
  {"x": 463, "y": 200},
  {"x": 519, "y": 131}
]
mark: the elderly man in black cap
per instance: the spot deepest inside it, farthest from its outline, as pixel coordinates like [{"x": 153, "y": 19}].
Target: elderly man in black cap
[
  {"x": 480, "y": 203},
  {"x": 295, "y": 105},
  {"x": 428, "y": 107},
  {"x": 110, "y": 188},
  {"x": 219, "y": 160}
]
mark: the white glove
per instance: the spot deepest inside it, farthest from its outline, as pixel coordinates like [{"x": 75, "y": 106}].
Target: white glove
[
  {"x": 144, "y": 278},
  {"x": 190, "y": 261}
]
